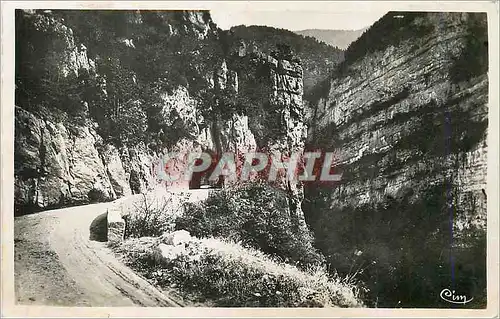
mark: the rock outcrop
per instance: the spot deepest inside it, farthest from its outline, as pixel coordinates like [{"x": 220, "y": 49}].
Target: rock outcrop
[
  {"x": 56, "y": 165},
  {"x": 317, "y": 58},
  {"x": 113, "y": 163},
  {"x": 288, "y": 110}
]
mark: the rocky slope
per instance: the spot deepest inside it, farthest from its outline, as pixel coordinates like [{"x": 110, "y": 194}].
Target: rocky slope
[
  {"x": 125, "y": 98},
  {"x": 277, "y": 118},
  {"x": 407, "y": 117},
  {"x": 317, "y": 58}
]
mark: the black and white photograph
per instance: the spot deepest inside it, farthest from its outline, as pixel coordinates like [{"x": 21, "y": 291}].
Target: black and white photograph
[{"x": 233, "y": 156}]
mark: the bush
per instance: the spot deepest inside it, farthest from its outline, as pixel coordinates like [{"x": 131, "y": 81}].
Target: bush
[
  {"x": 227, "y": 274},
  {"x": 257, "y": 215},
  {"x": 150, "y": 218}
]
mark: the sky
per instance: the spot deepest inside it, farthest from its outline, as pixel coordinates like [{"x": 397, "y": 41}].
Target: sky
[{"x": 296, "y": 19}]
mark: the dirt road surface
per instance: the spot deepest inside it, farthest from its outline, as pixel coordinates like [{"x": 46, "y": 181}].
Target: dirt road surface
[{"x": 57, "y": 264}]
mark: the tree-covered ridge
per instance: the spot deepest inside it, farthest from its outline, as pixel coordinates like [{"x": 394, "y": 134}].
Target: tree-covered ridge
[
  {"x": 317, "y": 58},
  {"x": 391, "y": 29}
]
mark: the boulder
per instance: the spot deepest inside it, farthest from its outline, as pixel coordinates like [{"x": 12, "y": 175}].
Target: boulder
[
  {"x": 116, "y": 226},
  {"x": 177, "y": 238},
  {"x": 170, "y": 252}
]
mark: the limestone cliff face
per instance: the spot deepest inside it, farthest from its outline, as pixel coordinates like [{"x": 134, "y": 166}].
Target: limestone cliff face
[
  {"x": 104, "y": 133},
  {"x": 407, "y": 120},
  {"x": 272, "y": 86},
  {"x": 399, "y": 120},
  {"x": 71, "y": 155},
  {"x": 61, "y": 159},
  {"x": 288, "y": 109},
  {"x": 186, "y": 130},
  {"x": 55, "y": 165}
]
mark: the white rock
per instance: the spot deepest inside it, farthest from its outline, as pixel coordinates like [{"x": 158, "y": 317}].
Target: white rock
[
  {"x": 116, "y": 226},
  {"x": 178, "y": 237}
]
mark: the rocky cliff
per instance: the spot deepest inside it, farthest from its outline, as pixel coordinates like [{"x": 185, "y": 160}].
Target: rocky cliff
[
  {"x": 407, "y": 118},
  {"x": 101, "y": 96},
  {"x": 317, "y": 58},
  {"x": 337, "y": 38},
  {"x": 114, "y": 92},
  {"x": 277, "y": 117}
]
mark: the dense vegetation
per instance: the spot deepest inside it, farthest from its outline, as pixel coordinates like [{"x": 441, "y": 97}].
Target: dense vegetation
[
  {"x": 221, "y": 273},
  {"x": 401, "y": 248},
  {"x": 391, "y": 29},
  {"x": 474, "y": 58},
  {"x": 245, "y": 252},
  {"x": 124, "y": 89},
  {"x": 39, "y": 85},
  {"x": 256, "y": 215}
]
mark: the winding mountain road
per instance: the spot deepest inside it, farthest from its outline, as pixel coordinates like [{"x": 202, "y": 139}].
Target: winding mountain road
[{"x": 57, "y": 264}]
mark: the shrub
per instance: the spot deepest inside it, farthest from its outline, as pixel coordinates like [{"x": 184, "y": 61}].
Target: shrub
[
  {"x": 257, "y": 215},
  {"x": 149, "y": 218},
  {"x": 228, "y": 274}
]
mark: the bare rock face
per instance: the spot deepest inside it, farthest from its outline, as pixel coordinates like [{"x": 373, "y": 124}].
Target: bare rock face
[
  {"x": 279, "y": 127},
  {"x": 58, "y": 165},
  {"x": 236, "y": 136},
  {"x": 287, "y": 95},
  {"x": 115, "y": 170},
  {"x": 138, "y": 165},
  {"x": 185, "y": 131},
  {"x": 181, "y": 134},
  {"x": 191, "y": 23},
  {"x": 55, "y": 165},
  {"x": 286, "y": 98},
  {"x": 178, "y": 116}
]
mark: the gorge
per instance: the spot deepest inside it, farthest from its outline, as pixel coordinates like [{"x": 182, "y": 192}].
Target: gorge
[{"x": 102, "y": 96}]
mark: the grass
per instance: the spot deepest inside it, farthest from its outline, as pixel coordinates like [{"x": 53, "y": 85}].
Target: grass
[
  {"x": 226, "y": 274},
  {"x": 246, "y": 252}
]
